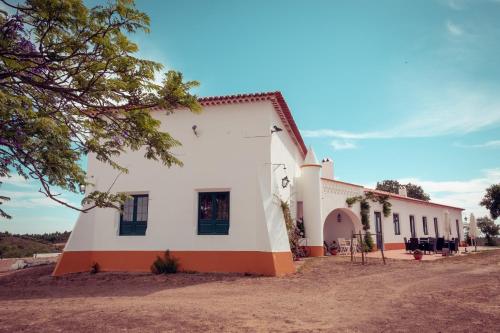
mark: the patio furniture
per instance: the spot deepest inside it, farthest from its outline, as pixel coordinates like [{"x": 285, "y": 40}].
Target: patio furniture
[
  {"x": 407, "y": 245},
  {"x": 439, "y": 244},
  {"x": 413, "y": 244},
  {"x": 422, "y": 244},
  {"x": 344, "y": 249},
  {"x": 430, "y": 246},
  {"x": 355, "y": 246},
  {"x": 451, "y": 246}
]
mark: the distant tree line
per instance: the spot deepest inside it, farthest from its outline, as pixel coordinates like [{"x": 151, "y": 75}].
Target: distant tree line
[
  {"x": 52, "y": 238},
  {"x": 413, "y": 190}
]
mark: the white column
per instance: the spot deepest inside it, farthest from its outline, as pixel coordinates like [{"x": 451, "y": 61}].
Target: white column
[{"x": 311, "y": 194}]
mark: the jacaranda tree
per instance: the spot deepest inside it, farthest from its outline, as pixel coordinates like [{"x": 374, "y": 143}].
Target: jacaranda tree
[{"x": 71, "y": 84}]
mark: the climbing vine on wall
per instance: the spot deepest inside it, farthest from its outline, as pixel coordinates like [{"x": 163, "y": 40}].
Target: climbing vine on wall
[
  {"x": 382, "y": 199},
  {"x": 364, "y": 211},
  {"x": 292, "y": 230}
]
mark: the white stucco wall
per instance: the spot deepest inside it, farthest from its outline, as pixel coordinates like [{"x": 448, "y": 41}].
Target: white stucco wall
[
  {"x": 232, "y": 152},
  {"x": 418, "y": 210},
  {"x": 334, "y": 195},
  {"x": 284, "y": 153},
  {"x": 333, "y": 229}
]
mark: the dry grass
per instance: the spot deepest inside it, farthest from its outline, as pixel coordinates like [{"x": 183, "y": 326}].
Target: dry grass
[{"x": 459, "y": 294}]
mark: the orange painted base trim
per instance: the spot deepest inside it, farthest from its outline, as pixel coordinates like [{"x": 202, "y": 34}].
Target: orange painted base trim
[
  {"x": 316, "y": 251},
  {"x": 254, "y": 262},
  {"x": 394, "y": 246}
]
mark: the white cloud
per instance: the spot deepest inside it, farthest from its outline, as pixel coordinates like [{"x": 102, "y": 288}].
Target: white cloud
[
  {"x": 17, "y": 180},
  {"x": 343, "y": 144},
  {"x": 328, "y": 133},
  {"x": 32, "y": 199},
  {"x": 454, "y": 29},
  {"x": 456, "y": 111},
  {"x": 26, "y": 194},
  {"x": 487, "y": 144}
]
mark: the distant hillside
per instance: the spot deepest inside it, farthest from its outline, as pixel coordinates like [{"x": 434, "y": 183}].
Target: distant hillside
[{"x": 17, "y": 246}]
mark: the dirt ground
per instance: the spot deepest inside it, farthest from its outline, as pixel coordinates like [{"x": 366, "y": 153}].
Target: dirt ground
[{"x": 330, "y": 294}]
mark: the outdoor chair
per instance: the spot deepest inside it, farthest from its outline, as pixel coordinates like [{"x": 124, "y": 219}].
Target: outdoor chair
[
  {"x": 439, "y": 244},
  {"x": 413, "y": 244},
  {"x": 422, "y": 244},
  {"x": 407, "y": 245},
  {"x": 355, "y": 246},
  {"x": 430, "y": 246},
  {"x": 343, "y": 247},
  {"x": 348, "y": 244}
]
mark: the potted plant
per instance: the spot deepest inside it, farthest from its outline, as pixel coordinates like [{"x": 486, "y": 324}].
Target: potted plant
[
  {"x": 333, "y": 249},
  {"x": 417, "y": 254}
]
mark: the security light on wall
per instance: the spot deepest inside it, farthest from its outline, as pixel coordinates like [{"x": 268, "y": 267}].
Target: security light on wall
[
  {"x": 276, "y": 129},
  {"x": 83, "y": 187},
  {"x": 195, "y": 127}
]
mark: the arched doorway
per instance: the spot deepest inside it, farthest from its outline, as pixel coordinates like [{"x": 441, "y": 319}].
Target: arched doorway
[{"x": 340, "y": 223}]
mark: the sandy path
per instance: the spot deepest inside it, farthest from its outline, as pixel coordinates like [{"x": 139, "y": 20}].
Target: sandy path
[{"x": 330, "y": 294}]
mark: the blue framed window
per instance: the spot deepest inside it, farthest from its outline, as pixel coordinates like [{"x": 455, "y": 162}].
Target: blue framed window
[
  {"x": 213, "y": 213},
  {"x": 134, "y": 216},
  {"x": 424, "y": 225},
  {"x": 395, "y": 219}
]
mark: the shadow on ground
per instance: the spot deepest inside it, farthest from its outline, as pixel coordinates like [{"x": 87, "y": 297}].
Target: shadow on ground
[{"x": 37, "y": 282}]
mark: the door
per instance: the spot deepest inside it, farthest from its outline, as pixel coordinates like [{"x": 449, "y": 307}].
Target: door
[
  {"x": 378, "y": 230},
  {"x": 412, "y": 226},
  {"x": 458, "y": 229}
]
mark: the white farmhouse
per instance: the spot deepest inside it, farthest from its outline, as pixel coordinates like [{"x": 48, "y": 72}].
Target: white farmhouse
[{"x": 221, "y": 211}]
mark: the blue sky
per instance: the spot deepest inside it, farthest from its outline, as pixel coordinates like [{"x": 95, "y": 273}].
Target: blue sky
[{"x": 404, "y": 90}]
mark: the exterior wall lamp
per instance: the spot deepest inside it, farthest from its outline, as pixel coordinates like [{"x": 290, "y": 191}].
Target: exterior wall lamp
[
  {"x": 339, "y": 218},
  {"x": 279, "y": 164},
  {"x": 83, "y": 187},
  {"x": 285, "y": 181}
]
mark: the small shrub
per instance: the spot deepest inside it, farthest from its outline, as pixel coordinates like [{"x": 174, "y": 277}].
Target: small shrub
[
  {"x": 293, "y": 231},
  {"x": 368, "y": 244},
  {"x": 94, "y": 268},
  {"x": 165, "y": 265}
]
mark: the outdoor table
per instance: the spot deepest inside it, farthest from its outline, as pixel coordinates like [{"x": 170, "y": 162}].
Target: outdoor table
[{"x": 422, "y": 245}]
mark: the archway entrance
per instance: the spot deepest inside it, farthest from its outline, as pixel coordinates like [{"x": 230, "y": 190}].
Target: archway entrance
[{"x": 340, "y": 223}]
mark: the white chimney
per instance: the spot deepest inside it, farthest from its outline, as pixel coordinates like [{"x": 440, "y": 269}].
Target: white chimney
[
  {"x": 327, "y": 168},
  {"x": 402, "y": 191}
]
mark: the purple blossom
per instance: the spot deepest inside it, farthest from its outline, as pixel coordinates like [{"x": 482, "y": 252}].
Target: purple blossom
[
  {"x": 13, "y": 26},
  {"x": 118, "y": 140},
  {"x": 25, "y": 45}
]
